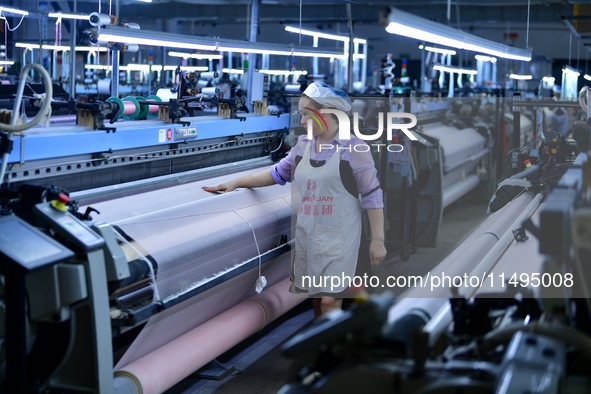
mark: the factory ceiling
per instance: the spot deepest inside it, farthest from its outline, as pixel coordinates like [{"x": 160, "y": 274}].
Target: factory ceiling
[
  {"x": 316, "y": 11},
  {"x": 468, "y": 15}
]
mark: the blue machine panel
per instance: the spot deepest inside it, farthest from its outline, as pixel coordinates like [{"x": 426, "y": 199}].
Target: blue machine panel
[{"x": 60, "y": 141}]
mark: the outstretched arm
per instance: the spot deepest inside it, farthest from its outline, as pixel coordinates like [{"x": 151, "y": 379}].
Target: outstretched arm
[{"x": 258, "y": 179}]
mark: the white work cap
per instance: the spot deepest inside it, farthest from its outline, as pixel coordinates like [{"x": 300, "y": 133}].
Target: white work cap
[{"x": 327, "y": 95}]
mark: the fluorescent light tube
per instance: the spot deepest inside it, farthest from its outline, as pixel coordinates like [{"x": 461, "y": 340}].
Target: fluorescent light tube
[
  {"x": 67, "y": 16},
  {"x": 151, "y": 38},
  {"x": 139, "y": 67},
  {"x": 284, "y": 72},
  {"x": 25, "y": 45},
  {"x": 412, "y": 26},
  {"x": 59, "y": 47},
  {"x": 232, "y": 71},
  {"x": 55, "y": 47},
  {"x": 483, "y": 58},
  {"x": 572, "y": 71},
  {"x": 186, "y": 68},
  {"x": 587, "y": 77},
  {"x": 315, "y": 54},
  {"x": 194, "y": 55},
  {"x": 13, "y": 11},
  {"x": 319, "y": 34},
  {"x": 548, "y": 79},
  {"x": 438, "y": 50},
  {"x": 88, "y": 49},
  {"x": 6, "y": 62},
  {"x": 152, "y": 42},
  {"x": 452, "y": 69},
  {"x": 96, "y": 67},
  {"x": 524, "y": 77}
]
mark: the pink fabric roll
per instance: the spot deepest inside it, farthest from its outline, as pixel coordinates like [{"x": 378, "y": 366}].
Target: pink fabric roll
[
  {"x": 152, "y": 109},
  {"x": 169, "y": 364}
]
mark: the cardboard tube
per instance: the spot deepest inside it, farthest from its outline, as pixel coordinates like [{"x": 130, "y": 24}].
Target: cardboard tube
[{"x": 163, "y": 368}]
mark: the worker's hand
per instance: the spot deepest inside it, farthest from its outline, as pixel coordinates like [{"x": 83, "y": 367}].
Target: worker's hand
[
  {"x": 223, "y": 188},
  {"x": 377, "y": 252}
]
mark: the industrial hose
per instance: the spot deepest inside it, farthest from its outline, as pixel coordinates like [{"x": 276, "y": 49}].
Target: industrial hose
[
  {"x": 569, "y": 335},
  {"x": 13, "y": 127}
]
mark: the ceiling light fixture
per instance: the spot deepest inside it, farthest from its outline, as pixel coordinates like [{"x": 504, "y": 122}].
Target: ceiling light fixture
[
  {"x": 13, "y": 11},
  {"x": 151, "y": 38},
  {"x": 438, "y": 50},
  {"x": 89, "y": 49},
  {"x": 452, "y": 69},
  {"x": 284, "y": 72},
  {"x": 232, "y": 71},
  {"x": 68, "y": 16},
  {"x": 59, "y": 47},
  {"x": 548, "y": 79},
  {"x": 6, "y": 62},
  {"x": 186, "y": 68},
  {"x": 483, "y": 58},
  {"x": 409, "y": 25},
  {"x": 523, "y": 77},
  {"x": 96, "y": 67},
  {"x": 25, "y": 45},
  {"x": 319, "y": 34},
  {"x": 199, "y": 56},
  {"x": 570, "y": 70}
]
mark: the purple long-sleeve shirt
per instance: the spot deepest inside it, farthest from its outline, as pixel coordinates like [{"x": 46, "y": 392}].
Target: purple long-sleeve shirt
[{"x": 361, "y": 162}]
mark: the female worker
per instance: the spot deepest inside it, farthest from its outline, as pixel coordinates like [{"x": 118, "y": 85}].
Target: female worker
[{"x": 330, "y": 174}]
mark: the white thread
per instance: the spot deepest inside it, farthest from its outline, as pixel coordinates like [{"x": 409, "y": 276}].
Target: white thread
[
  {"x": 261, "y": 281},
  {"x": 129, "y": 221},
  {"x": 145, "y": 259},
  {"x": 8, "y": 26}
]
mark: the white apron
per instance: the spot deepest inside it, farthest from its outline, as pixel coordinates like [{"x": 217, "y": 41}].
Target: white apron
[{"x": 328, "y": 228}]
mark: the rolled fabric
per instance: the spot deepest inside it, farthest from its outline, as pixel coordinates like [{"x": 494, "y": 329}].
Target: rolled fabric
[{"x": 163, "y": 368}]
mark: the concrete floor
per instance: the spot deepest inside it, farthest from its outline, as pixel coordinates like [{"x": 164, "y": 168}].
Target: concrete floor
[{"x": 260, "y": 366}]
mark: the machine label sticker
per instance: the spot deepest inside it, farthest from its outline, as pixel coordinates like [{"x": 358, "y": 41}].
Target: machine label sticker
[
  {"x": 161, "y": 135},
  {"x": 169, "y": 134},
  {"x": 185, "y": 132}
]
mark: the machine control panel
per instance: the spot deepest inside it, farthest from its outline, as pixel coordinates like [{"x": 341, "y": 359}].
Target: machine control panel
[
  {"x": 182, "y": 133},
  {"x": 26, "y": 247},
  {"x": 69, "y": 227}
]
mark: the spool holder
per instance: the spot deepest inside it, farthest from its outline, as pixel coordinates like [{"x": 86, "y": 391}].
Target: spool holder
[{"x": 93, "y": 115}]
